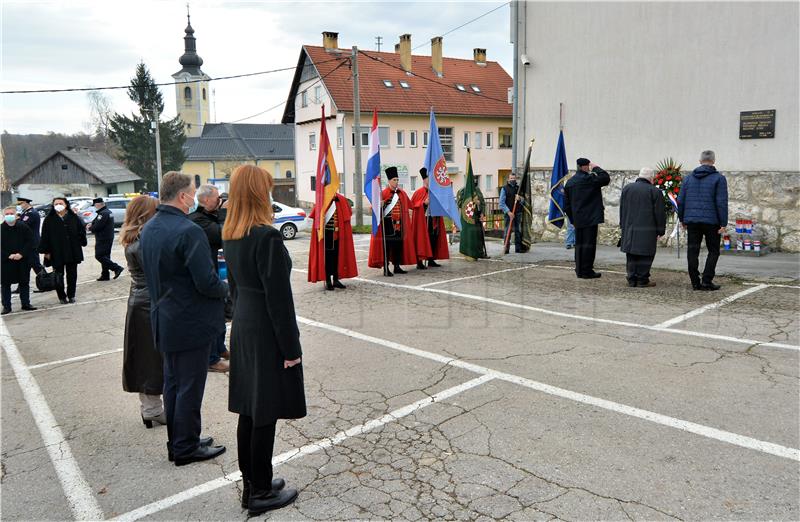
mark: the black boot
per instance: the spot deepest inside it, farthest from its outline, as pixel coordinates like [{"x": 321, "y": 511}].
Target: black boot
[
  {"x": 420, "y": 266},
  {"x": 338, "y": 284},
  {"x": 328, "y": 284},
  {"x": 277, "y": 485},
  {"x": 261, "y": 500},
  {"x": 432, "y": 263},
  {"x": 398, "y": 270}
]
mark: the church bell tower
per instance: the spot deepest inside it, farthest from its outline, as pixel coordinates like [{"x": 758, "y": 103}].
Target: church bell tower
[{"x": 191, "y": 92}]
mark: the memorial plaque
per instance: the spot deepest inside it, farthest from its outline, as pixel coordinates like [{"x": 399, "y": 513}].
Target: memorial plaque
[{"x": 756, "y": 124}]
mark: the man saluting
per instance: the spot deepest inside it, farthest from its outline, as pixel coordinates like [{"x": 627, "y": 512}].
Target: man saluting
[
  {"x": 430, "y": 236},
  {"x": 394, "y": 230},
  {"x": 333, "y": 256}
]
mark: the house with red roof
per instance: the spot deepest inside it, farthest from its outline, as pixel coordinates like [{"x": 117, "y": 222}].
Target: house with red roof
[{"x": 471, "y": 99}]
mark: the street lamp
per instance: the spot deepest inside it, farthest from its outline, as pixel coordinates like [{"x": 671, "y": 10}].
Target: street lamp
[{"x": 154, "y": 125}]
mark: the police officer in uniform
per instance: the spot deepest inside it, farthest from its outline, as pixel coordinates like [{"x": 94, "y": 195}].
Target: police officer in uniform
[{"x": 103, "y": 229}]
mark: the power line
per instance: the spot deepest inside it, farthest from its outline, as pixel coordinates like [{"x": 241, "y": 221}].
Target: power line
[
  {"x": 465, "y": 24},
  {"x": 343, "y": 62},
  {"x": 437, "y": 82},
  {"x": 116, "y": 87}
]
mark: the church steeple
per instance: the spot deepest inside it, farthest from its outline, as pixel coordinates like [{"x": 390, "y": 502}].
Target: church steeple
[
  {"x": 190, "y": 60},
  {"x": 191, "y": 89}
]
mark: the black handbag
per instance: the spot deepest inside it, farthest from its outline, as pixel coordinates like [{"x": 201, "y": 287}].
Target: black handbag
[{"x": 49, "y": 281}]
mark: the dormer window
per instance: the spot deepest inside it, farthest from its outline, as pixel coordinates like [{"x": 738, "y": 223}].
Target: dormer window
[
  {"x": 460, "y": 87},
  {"x": 475, "y": 88},
  {"x": 404, "y": 84},
  {"x": 388, "y": 84}
]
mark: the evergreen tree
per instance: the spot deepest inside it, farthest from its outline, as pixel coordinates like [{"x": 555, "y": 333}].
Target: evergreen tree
[{"x": 136, "y": 138}]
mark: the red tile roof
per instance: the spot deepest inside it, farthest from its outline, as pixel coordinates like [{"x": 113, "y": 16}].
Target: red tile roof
[{"x": 426, "y": 88}]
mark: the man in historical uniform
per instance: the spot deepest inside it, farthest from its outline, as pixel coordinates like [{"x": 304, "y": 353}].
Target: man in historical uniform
[
  {"x": 394, "y": 230},
  {"x": 333, "y": 256},
  {"x": 513, "y": 213},
  {"x": 103, "y": 229},
  {"x": 30, "y": 217},
  {"x": 430, "y": 236},
  {"x": 583, "y": 204}
]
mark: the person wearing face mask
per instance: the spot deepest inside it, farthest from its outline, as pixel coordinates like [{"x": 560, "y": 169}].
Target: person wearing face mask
[
  {"x": 30, "y": 217},
  {"x": 16, "y": 243},
  {"x": 508, "y": 194},
  {"x": 63, "y": 239},
  {"x": 210, "y": 216},
  {"x": 103, "y": 229},
  {"x": 187, "y": 316}
]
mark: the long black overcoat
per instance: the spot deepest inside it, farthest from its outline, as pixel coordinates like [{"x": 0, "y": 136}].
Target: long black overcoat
[
  {"x": 63, "y": 238},
  {"x": 642, "y": 218},
  {"x": 264, "y": 332},
  {"x": 142, "y": 369},
  {"x": 103, "y": 229},
  {"x": 583, "y": 199},
  {"x": 16, "y": 239}
]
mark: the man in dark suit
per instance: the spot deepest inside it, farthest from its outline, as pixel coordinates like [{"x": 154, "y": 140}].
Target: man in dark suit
[
  {"x": 103, "y": 229},
  {"x": 187, "y": 314},
  {"x": 30, "y": 217},
  {"x": 643, "y": 220},
  {"x": 583, "y": 204}
]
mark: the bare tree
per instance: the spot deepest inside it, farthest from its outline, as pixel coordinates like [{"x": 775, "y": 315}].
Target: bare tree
[{"x": 100, "y": 113}]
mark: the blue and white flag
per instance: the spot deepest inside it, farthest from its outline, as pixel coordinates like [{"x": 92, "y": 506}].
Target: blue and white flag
[
  {"x": 372, "y": 180},
  {"x": 443, "y": 202}
]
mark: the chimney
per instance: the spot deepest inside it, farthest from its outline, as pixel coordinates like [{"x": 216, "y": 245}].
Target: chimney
[
  {"x": 405, "y": 52},
  {"x": 436, "y": 56},
  {"x": 397, "y": 48},
  {"x": 480, "y": 56},
  {"x": 330, "y": 40}
]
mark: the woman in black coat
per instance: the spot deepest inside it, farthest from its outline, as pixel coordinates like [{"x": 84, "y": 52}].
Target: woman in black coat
[
  {"x": 142, "y": 368},
  {"x": 266, "y": 377},
  {"x": 16, "y": 243},
  {"x": 63, "y": 239}
]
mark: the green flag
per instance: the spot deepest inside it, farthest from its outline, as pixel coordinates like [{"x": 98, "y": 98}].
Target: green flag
[
  {"x": 471, "y": 207},
  {"x": 527, "y": 206}
]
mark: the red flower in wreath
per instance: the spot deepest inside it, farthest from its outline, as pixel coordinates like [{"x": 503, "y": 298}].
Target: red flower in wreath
[
  {"x": 669, "y": 178},
  {"x": 676, "y": 190}
]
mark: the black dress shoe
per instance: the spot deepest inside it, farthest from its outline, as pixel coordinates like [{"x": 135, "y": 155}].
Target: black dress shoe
[
  {"x": 104, "y": 277},
  {"x": 398, "y": 270},
  {"x": 62, "y": 301},
  {"x": 200, "y": 454},
  {"x": 71, "y": 300},
  {"x": 118, "y": 271},
  {"x": 29, "y": 308},
  {"x": 204, "y": 442},
  {"x": 263, "y": 501},
  {"x": 328, "y": 285},
  {"x": 709, "y": 287},
  {"x": 388, "y": 273},
  {"x": 5, "y": 311},
  {"x": 338, "y": 284},
  {"x": 632, "y": 284},
  {"x": 432, "y": 263},
  {"x": 277, "y": 485},
  {"x": 593, "y": 275},
  {"x": 420, "y": 266}
]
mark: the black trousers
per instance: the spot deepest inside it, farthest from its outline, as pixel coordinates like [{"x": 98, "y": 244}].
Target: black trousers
[
  {"x": 255, "y": 445},
  {"x": 433, "y": 233},
  {"x": 638, "y": 268},
  {"x": 585, "y": 249},
  {"x": 331, "y": 257},
  {"x": 696, "y": 233},
  {"x": 24, "y": 288},
  {"x": 394, "y": 250},
  {"x": 184, "y": 385},
  {"x": 71, "y": 270},
  {"x": 517, "y": 230},
  {"x": 104, "y": 258}
]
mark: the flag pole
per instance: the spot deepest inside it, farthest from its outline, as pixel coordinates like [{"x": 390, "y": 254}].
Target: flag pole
[{"x": 514, "y": 209}]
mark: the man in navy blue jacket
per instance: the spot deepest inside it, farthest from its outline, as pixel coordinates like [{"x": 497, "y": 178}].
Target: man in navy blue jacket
[
  {"x": 187, "y": 314},
  {"x": 703, "y": 211}
]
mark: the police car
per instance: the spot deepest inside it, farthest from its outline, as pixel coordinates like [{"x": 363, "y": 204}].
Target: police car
[{"x": 289, "y": 220}]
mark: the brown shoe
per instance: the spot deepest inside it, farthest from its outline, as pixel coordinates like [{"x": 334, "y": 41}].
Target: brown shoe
[{"x": 220, "y": 366}]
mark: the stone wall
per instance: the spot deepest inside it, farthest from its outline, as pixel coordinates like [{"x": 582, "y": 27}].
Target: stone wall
[{"x": 770, "y": 199}]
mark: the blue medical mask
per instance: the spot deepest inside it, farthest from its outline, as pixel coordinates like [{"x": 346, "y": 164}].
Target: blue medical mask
[
  {"x": 193, "y": 207},
  {"x": 10, "y": 218},
  {"x": 19, "y": 209}
]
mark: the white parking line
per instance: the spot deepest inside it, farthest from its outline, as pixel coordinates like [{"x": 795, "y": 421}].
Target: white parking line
[
  {"x": 57, "y": 307},
  {"x": 774, "y": 285},
  {"x": 664, "y": 420},
  {"x": 475, "y": 276},
  {"x": 308, "y": 449},
  {"x": 710, "y": 306},
  {"x": 751, "y": 342},
  {"x": 74, "y": 359},
  {"x": 77, "y": 491}
]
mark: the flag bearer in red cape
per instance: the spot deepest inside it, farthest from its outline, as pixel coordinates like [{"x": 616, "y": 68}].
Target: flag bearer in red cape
[
  {"x": 430, "y": 236},
  {"x": 333, "y": 257},
  {"x": 394, "y": 231}
]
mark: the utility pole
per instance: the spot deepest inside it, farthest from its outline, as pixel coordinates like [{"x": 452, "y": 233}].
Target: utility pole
[
  {"x": 357, "y": 179},
  {"x": 154, "y": 125},
  {"x": 378, "y": 41}
]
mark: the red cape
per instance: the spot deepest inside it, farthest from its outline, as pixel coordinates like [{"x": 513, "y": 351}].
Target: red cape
[
  {"x": 376, "y": 241},
  {"x": 422, "y": 242},
  {"x": 347, "y": 254}
]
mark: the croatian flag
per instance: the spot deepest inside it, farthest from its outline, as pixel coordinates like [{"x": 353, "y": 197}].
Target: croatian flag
[
  {"x": 443, "y": 203},
  {"x": 372, "y": 180},
  {"x": 672, "y": 200}
]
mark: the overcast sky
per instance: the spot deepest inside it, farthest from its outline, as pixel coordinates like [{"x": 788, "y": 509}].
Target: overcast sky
[{"x": 89, "y": 43}]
